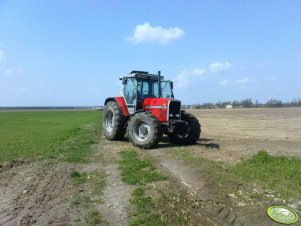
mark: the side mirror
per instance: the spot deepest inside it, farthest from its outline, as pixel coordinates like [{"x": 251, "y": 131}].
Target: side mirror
[
  {"x": 124, "y": 81},
  {"x": 171, "y": 85}
]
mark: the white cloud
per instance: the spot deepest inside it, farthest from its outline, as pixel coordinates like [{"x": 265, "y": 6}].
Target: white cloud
[
  {"x": 242, "y": 81},
  {"x": 187, "y": 75},
  {"x": 217, "y": 67},
  {"x": 239, "y": 82},
  {"x": 224, "y": 82},
  {"x": 183, "y": 78},
  {"x": 147, "y": 34},
  {"x": 1, "y": 56},
  {"x": 13, "y": 71}
]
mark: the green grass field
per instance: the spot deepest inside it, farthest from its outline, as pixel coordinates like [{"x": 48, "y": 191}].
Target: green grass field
[
  {"x": 281, "y": 174},
  {"x": 67, "y": 135}
]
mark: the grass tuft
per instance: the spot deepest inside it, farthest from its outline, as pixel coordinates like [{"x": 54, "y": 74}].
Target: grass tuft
[
  {"x": 94, "y": 218},
  {"x": 77, "y": 177},
  {"x": 142, "y": 203},
  {"x": 137, "y": 171},
  {"x": 81, "y": 200},
  {"x": 99, "y": 184},
  {"x": 140, "y": 171},
  {"x": 148, "y": 220},
  {"x": 144, "y": 210}
]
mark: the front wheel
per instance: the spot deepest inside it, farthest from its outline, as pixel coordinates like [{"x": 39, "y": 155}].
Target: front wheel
[
  {"x": 144, "y": 130},
  {"x": 191, "y": 134}
]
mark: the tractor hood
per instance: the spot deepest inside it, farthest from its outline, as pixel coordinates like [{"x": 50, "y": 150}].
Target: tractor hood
[
  {"x": 159, "y": 103},
  {"x": 163, "y": 108}
]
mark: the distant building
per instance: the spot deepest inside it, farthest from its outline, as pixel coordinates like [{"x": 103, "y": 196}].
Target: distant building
[{"x": 229, "y": 106}]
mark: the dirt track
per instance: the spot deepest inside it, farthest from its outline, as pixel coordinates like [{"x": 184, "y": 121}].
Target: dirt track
[{"x": 40, "y": 192}]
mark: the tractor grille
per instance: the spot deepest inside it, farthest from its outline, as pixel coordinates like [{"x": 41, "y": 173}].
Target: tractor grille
[{"x": 174, "y": 109}]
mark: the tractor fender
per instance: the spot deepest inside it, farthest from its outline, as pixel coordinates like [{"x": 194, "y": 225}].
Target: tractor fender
[
  {"x": 137, "y": 112},
  {"x": 120, "y": 101},
  {"x": 126, "y": 124}
]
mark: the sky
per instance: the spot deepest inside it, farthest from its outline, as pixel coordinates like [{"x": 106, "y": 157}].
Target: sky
[{"x": 72, "y": 53}]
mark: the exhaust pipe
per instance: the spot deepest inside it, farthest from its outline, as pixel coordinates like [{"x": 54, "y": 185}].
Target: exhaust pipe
[{"x": 159, "y": 84}]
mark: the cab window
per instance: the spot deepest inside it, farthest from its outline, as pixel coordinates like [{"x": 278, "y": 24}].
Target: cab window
[{"x": 129, "y": 91}]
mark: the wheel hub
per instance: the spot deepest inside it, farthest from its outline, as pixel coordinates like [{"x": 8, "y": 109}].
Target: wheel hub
[
  {"x": 184, "y": 131},
  {"x": 109, "y": 121},
  {"x": 142, "y": 131}
]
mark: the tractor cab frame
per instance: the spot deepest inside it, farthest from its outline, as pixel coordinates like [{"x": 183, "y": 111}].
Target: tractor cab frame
[{"x": 140, "y": 85}]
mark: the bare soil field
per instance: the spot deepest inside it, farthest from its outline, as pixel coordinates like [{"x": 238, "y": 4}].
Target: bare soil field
[
  {"x": 36, "y": 192},
  {"x": 234, "y": 134}
]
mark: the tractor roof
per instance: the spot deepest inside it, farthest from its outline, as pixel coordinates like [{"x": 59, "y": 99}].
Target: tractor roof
[
  {"x": 138, "y": 72},
  {"x": 142, "y": 75}
]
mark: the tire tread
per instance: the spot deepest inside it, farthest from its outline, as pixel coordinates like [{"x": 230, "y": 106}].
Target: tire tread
[
  {"x": 120, "y": 120},
  {"x": 194, "y": 134},
  {"x": 155, "y": 137}
]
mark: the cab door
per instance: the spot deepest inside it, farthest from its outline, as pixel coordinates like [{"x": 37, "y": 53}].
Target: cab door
[{"x": 130, "y": 94}]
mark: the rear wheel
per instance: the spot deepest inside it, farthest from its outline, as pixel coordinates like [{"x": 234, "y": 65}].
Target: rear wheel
[
  {"x": 113, "y": 121},
  {"x": 144, "y": 130},
  {"x": 191, "y": 134}
]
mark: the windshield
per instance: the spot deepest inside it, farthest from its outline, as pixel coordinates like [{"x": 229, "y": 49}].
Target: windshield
[
  {"x": 129, "y": 91},
  {"x": 166, "y": 90}
]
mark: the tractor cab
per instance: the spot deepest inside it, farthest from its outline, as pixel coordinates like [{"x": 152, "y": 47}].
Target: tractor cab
[{"x": 139, "y": 85}]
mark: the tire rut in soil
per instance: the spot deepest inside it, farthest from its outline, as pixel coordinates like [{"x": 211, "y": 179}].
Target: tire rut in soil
[
  {"x": 35, "y": 193},
  {"x": 115, "y": 207},
  {"x": 202, "y": 196},
  {"x": 40, "y": 192}
]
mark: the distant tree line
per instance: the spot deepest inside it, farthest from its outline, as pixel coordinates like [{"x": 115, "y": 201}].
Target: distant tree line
[{"x": 247, "y": 103}]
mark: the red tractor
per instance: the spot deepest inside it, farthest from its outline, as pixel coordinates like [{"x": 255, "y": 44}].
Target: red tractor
[{"x": 147, "y": 110}]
